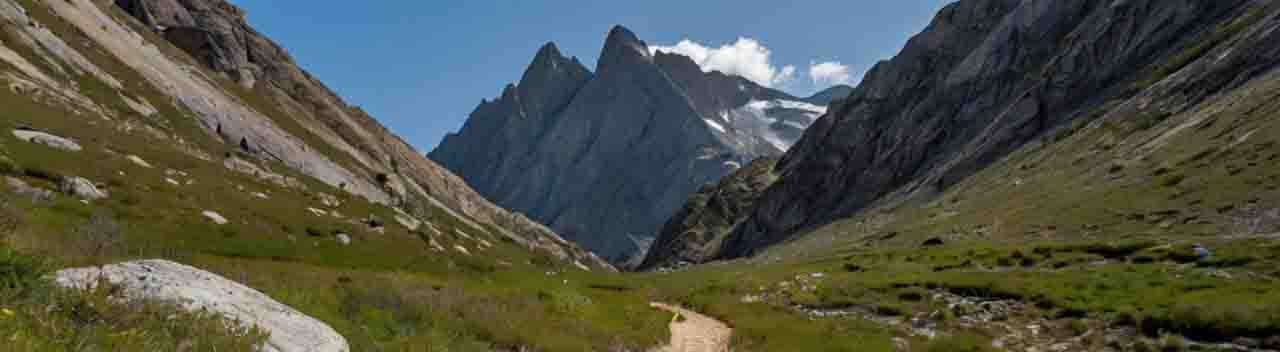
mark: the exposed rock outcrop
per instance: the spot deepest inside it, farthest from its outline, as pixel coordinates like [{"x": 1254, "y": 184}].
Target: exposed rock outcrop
[
  {"x": 82, "y": 188},
  {"x": 216, "y": 33},
  {"x": 694, "y": 235},
  {"x": 47, "y": 139},
  {"x": 986, "y": 77},
  {"x": 198, "y": 290}
]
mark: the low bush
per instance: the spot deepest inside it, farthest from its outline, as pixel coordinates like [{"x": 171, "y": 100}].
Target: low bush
[{"x": 959, "y": 343}]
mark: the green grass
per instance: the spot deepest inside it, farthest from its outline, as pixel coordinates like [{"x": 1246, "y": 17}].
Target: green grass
[{"x": 35, "y": 316}]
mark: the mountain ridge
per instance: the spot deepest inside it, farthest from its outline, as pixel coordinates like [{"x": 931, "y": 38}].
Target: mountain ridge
[{"x": 640, "y": 110}]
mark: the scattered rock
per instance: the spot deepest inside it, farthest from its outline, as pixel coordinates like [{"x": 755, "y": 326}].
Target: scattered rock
[
  {"x": 249, "y": 168},
  {"x": 47, "y": 140},
  {"x": 344, "y": 239},
  {"x": 329, "y": 200},
  {"x": 317, "y": 212},
  {"x": 461, "y": 249},
  {"x": 172, "y": 182},
  {"x": 934, "y": 242},
  {"x": 81, "y": 188},
  {"x": 138, "y": 161},
  {"x": 198, "y": 290},
  {"x": 1272, "y": 342},
  {"x": 23, "y": 189},
  {"x": 408, "y": 222},
  {"x": 374, "y": 222},
  {"x": 215, "y": 217},
  {"x": 261, "y": 195}
]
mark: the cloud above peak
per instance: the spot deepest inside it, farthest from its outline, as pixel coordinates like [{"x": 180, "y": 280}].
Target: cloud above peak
[
  {"x": 829, "y": 73},
  {"x": 745, "y": 57}
]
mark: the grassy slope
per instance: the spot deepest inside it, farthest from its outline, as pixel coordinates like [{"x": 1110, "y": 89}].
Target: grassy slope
[
  {"x": 1091, "y": 223},
  {"x": 386, "y": 291},
  {"x": 389, "y": 291}
]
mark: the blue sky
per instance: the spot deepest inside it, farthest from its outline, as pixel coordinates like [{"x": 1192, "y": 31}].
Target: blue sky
[{"x": 421, "y": 66}]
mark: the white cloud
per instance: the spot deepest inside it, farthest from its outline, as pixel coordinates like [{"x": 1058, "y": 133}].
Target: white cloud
[
  {"x": 746, "y": 57},
  {"x": 829, "y": 73}
]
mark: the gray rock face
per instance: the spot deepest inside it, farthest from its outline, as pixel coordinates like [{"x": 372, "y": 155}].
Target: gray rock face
[
  {"x": 607, "y": 157},
  {"x": 198, "y": 290},
  {"x": 81, "y": 188},
  {"x": 695, "y": 234},
  {"x": 985, "y": 77},
  {"x": 21, "y": 188},
  {"x": 47, "y": 140}
]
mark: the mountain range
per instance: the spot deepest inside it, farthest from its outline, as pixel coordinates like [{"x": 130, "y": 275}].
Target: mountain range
[
  {"x": 1024, "y": 175},
  {"x": 604, "y": 157}
]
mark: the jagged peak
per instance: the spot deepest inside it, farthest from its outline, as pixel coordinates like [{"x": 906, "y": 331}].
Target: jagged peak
[
  {"x": 549, "y": 52},
  {"x": 622, "y": 46}
]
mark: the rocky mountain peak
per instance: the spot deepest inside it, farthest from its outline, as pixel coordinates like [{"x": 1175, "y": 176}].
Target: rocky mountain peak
[
  {"x": 622, "y": 47},
  {"x": 550, "y": 82}
]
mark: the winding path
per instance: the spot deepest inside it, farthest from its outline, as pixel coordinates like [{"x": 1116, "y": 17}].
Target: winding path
[{"x": 696, "y": 333}]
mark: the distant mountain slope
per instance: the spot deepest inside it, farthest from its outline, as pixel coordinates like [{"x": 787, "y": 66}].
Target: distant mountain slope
[
  {"x": 983, "y": 80},
  {"x": 218, "y": 74},
  {"x": 605, "y": 158}
]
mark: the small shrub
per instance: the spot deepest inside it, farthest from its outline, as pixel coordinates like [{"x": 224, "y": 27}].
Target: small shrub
[
  {"x": 98, "y": 236},
  {"x": 959, "y": 343},
  {"x": 43, "y": 174},
  {"x": 1078, "y": 327},
  {"x": 1173, "y": 343},
  {"x": 18, "y": 273},
  {"x": 11, "y": 218},
  {"x": 8, "y": 167},
  {"x": 315, "y": 232},
  {"x": 890, "y": 310},
  {"x": 912, "y": 295}
]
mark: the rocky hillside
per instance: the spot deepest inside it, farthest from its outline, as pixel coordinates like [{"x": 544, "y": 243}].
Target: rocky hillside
[
  {"x": 275, "y": 111},
  {"x": 605, "y": 157},
  {"x": 694, "y": 234},
  {"x": 986, "y": 78}
]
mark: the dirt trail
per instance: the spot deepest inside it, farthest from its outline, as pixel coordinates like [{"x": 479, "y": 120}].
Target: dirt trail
[{"x": 693, "y": 332}]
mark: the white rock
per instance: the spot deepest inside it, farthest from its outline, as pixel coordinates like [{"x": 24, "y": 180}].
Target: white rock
[
  {"x": 408, "y": 222},
  {"x": 47, "y": 140},
  {"x": 81, "y": 188},
  {"x": 461, "y": 249},
  {"x": 344, "y": 239},
  {"x": 198, "y": 290},
  {"x": 329, "y": 200},
  {"x": 317, "y": 212},
  {"x": 172, "y": 182},
  {"x": 215, "y": 217},
  {"x": 138, "y": 161},
  {"x": 260, "y": 195}
]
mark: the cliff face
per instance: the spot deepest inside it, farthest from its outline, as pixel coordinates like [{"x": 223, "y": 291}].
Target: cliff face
[
  {"x": 276, "y": 111},
  {"x": 605, "y": 158},
  {"x": 985, "y": 78},
  {"x": 695, "y": 234}
]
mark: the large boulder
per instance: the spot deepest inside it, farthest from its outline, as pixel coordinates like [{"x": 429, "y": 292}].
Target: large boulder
[
  {"x": 81, "y": 188},
  {"x": 198, "y": 290}
]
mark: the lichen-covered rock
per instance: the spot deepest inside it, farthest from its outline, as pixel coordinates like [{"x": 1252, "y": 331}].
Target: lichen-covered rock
[
  {"x": 695, "y": 234},
  {"x": 198, "y": 290},
  {"x": 82, "y": 188}
]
